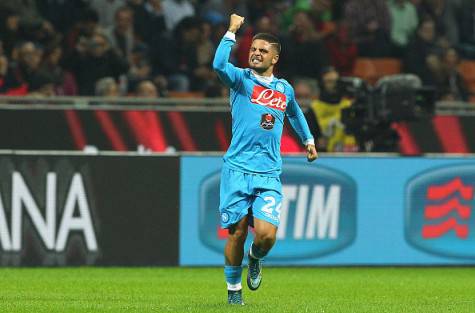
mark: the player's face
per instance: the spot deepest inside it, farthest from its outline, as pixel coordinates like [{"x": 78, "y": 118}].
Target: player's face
[{"x": 262, "y": 55}]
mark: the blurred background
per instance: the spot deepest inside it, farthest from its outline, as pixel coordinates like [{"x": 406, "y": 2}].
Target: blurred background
[{"x": 370, "y": 75}]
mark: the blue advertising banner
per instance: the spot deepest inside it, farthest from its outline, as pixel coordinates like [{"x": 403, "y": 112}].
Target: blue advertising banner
[{"x": 345, "y": 211}]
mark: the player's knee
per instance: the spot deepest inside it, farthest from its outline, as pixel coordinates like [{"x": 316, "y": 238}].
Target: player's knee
[
  {"x": 238, "y": 234},
  {"x": 267, "y": 238}
]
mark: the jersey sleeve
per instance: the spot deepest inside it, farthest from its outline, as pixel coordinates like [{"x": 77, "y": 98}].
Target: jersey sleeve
[
  {"x": 230, "y": 75},
  {"x": 298, "y": 121}
]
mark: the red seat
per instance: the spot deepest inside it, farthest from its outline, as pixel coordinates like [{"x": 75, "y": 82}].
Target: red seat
[
  {"x": 373, "y": 69},
  {"x": 365, "y": 69},
  {"x": 467, "y": 69}
]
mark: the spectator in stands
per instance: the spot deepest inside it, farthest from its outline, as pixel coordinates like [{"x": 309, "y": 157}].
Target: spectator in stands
[
  {"x": 319, "y": 13},
  {"x": 305, "y": 89},
  {"x": 164, "y": 63},
  {"x": 454, "y": 87},
  {"x": 23, "y": 21},
  {"x": 216, "y": 90},
  {"x": 303, "y": 53},
  {"x": 146, "y": 89},
  {"x": 121, "y": 35},
  {"x": 64, "y": 81},
  {"x": 422, "y": 52},
  {"x": 84, "y": 28},
  {"x": 467, "y": 29},
  {"x": 185, "y": 59},
  {"x": 436, "y": 74},
  {"x": 219, "y": 28},
  {"x": 175, "y": 57},
  {"x": 325, "y": 115},
  {"x": 149, "y": 21},
  {"x": 444, "y": 14},
  {"x": 42, "y": 84},
  {"x": 140, "y": 68},
  {"x": 106, "y": 87},
  {"x": 9, "y": 30},
  {"x": 404, "y": 21},
  {"x": 342, "y": 50},
  {"x": 287, "y": 17},
  {"x": 205, "y": 49},
  {"x": 321, "y": 10},
  {"x": 26, "y": 59},
  {"x": 94, "y": 59},
  {"x": 106, "y": 10},
  {"x": 175, "y": 11},
  {"x": 369, "y": 26},
  {"x": 140, "y": 17},
  {"x": 3, "y": 72}
]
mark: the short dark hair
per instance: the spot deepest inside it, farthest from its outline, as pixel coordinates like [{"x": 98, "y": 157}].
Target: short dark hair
[{"x": 273, "y": 40}]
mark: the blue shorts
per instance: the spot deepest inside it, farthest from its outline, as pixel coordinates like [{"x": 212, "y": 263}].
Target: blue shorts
[{"x": 242, "y": 194}]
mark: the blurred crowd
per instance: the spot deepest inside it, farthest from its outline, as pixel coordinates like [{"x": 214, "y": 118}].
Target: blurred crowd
[{"x": 151, "y": 47}]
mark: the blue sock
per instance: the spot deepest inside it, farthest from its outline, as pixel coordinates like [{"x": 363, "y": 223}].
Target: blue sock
[
  {"x": 233, "y": 277},
  {"x": 256, "y": 252}
]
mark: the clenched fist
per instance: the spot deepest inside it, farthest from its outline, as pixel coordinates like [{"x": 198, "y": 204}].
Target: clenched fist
[
  {"x": 312, "y": 153},
  {"x": 235, "y": 22}
]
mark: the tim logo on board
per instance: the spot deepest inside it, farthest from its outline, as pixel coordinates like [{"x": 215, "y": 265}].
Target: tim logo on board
[
  {"x": 318, "y": 212},
  {"x": 439, "y": 211}
]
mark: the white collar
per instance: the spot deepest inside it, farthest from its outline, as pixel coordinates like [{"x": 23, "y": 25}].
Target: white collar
[{"x": 263, "y": 79}]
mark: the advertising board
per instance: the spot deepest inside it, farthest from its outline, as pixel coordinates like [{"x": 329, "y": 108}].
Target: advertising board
[
  {"x": 88, "y": 210},
  {"x": 345, "y": 211}
]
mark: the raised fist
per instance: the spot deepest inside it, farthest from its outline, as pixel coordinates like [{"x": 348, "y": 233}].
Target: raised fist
[{"x": 235, "y": 22}]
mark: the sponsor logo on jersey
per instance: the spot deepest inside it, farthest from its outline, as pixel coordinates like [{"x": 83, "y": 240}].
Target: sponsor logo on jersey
[
  {"x": 439, "y": 211},
  {"x": 317, "y": 213},
  {"x": 269, "y": 98},
  {"x": 267, "y": 121}
]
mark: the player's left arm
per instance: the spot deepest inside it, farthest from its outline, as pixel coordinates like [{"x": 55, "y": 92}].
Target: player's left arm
[{"x": 299, "y": 124}]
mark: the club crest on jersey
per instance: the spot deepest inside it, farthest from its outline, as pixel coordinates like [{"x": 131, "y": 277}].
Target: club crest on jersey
[
  {"x": 280, "y": 87},
  {"x": 269, "y": 98},
  {"x": 267, "y": 121}
]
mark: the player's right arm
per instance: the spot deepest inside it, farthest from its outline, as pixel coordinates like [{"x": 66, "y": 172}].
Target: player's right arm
[{"x": 227, "y": 72}]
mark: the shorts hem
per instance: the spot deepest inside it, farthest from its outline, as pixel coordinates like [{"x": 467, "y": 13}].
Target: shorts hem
[
  {"x": 264, "y": 218},
  {"x": 229, "y": 224}
]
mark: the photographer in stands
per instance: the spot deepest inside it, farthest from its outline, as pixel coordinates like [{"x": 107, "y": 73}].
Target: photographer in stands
[{"x": 325, "y": 114}]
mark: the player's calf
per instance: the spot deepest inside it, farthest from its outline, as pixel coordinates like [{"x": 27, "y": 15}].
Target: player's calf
[
  {"x": 263, "y": 242},
  {"x": 233, "y": 281}
]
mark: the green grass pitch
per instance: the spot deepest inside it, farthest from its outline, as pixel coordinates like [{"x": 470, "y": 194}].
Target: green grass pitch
[{"x": 203, "y": 290}]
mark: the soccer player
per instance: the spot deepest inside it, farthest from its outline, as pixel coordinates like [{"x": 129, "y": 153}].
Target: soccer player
[{"x": 251, "y": 191}]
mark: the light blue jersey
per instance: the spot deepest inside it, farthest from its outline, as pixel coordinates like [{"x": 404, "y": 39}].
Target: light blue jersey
[{"x": 258, "y": 108}]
